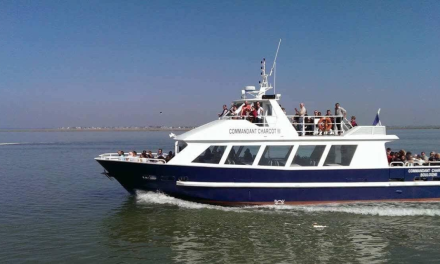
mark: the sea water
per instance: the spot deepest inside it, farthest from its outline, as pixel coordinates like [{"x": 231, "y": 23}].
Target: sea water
[{"x": 57, "y": 207}]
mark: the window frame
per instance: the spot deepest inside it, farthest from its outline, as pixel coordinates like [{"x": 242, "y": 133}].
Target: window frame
[
  {"x": 324, "y": 152},
  {"x": 263, "y": 149},
  {"x": 210, "y": 145},
  {"x": 327, "y": 151},
  {"x": 229, "y": 149}
]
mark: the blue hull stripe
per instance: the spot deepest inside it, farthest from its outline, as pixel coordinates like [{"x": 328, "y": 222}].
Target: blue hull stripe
[{"x": 304, "y": 185}]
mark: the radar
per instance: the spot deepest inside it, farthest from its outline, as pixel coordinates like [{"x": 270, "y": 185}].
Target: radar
[{"x": 249, "y": 88}]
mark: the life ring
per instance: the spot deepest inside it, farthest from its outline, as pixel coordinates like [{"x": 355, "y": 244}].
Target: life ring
[{"x": 325, "y": 124}]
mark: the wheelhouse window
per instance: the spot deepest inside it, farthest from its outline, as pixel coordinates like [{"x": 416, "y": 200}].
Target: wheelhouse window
[
  {"x": 340, "y": 155},
  {"x": 308, "y": 155},
  {"x": 213, "y": 155},
  {"x": 275, "y": 155},
  {"x": 242, "y": 155}
]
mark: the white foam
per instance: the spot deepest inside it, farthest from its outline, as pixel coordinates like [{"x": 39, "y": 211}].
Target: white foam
[
  {"x": 3, "y": 144},
  {"x": 160, "y": 198},
  {"x": 382, "y": 209}
]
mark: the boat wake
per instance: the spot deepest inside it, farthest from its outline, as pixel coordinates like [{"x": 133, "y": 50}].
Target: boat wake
[
  {"x": 381, "y": 209},
  {"x": 160, "y": 198},
  {"x": 375, "y": 209},
  {"x": 4, "y": 144}
]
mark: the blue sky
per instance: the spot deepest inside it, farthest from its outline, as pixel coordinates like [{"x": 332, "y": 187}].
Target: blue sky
[{"x": 121, "y": 63}]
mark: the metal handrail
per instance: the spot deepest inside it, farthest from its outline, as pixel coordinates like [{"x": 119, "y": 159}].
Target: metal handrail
[
  {"x": 316, "y": 131},
  {"x": 115, "y": 156},
  {"x": 411, "y": 164},
  {"x": 392, "y": 164}
]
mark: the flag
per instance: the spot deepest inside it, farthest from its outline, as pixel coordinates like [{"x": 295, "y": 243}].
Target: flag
[{"x": 376, "y": 121}]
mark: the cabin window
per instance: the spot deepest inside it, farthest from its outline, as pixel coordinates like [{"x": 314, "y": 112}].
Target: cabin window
[
  {"x": 182, "y": 145},
  {"x": 242, "y": 155},
  {"x": 275, "y": 156},
  {"x": 308, "y": 155},
  {"x": 213, "y": 155},
  {"x": 340, "y": 155}
]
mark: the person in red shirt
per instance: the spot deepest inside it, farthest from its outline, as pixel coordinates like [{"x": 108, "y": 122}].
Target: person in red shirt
[
  {"x": 353, "y": 121},
  {"x": 245, "y": 109},
  {"x": 389, "y": 156},
  {"x": 253, "y": 115}
]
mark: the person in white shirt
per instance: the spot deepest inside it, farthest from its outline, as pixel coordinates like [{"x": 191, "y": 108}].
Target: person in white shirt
[
  {"x": 301, "y": 113},
  {"x": 159, "y": 154},
  {"x": 340, "y": 113},
  {"x": 260, "y": 113}
]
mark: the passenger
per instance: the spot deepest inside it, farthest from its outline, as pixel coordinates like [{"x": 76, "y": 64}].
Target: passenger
[
  {"x": 408, "y": 155},
  {"x": 301, "y": 113},
  {"x": 245, "y": 109},
  {"x": 418, "y": 161},
  {"x": 284, "y": 110},
  {"x": 402, "y": 152},
  {"x": 389, "y": 155},
  {"x": 396, "y": 158},
  {"x": 253, "y": 115},
  {"x": 319, "y": 114},
  {"x": 233, "y": 111},
  {"x": 144, "y": 154},
  {"x": 207, "y": 156},
  {"x": 121, "y": 155},
  {"x": 423, "y": 156},
  {"x": 437, "y": 157},
  {"x": 169, "y": 156},
  {"x": 353, "y": 121},
  {"x": 159, "y": 154},
  {"x": 260, "y": 113},
  {"x": 340, "y": 113},
  {"x": 310, "y": 125},
  {"x": 329, "y": 113},
  {"x": 150, "y": 155},
  {"x": 247, "y": 155},
  {"x": 315, "y": 119},
  {"x": 132, "y": 155},
  {"x": 403, "y": 158},
  {"x": 432, "y": 156},
  {"x": 224, "y": 112},
  {"x": 410, "y": 161}
]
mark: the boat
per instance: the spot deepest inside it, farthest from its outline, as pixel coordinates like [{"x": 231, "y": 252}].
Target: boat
[{"x": 234, "y": 162}]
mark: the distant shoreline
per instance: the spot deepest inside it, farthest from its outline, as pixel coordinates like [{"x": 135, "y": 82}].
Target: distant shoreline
[
  {"x": 94, "y": 130},
  {"x": 146, "y": 129}
]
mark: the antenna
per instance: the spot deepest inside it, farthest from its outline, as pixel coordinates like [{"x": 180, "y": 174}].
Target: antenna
[{"x": 273, "y": 69}]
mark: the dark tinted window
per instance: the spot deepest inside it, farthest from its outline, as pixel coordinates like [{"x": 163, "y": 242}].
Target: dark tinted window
[
  {"x": 242, "y": 155},
  {"x": 213, "y": 154},
  {"x": 275, "y": 155},
  {"x": 340, "y": 155},
  {"x": 308, "y": 155}
]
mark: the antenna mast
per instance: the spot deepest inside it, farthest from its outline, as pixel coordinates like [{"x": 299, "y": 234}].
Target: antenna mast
[{"x": 273, "y": 69}]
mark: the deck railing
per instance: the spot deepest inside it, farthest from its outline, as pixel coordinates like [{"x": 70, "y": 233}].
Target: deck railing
[
  {"x": 414, "y": 164},
  {"x": 125, "y": 157},
  {"x": 306, "y": 128}
]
